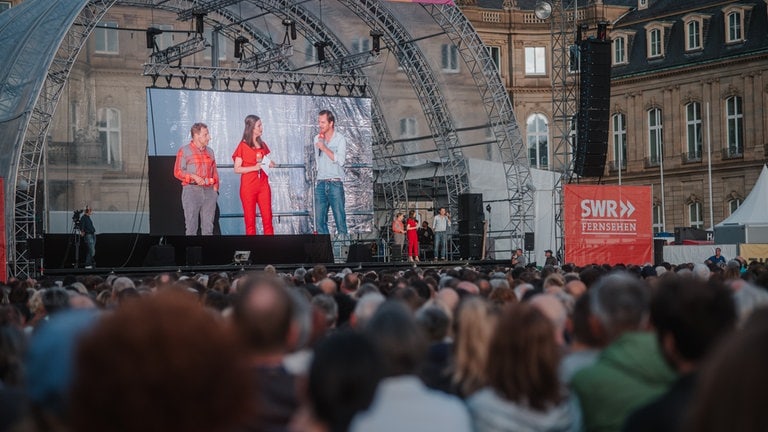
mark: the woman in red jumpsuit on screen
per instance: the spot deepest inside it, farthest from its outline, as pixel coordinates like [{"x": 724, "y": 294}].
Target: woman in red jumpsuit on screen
[{"x": 254, "y": 182}]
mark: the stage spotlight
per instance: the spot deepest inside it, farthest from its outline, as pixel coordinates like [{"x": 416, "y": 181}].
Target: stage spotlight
[
  {"x": 239, "y": 42},
  {"x": 151, "y": 33},
  {"x": 290, "y": 25},
  {"x": 199, "y": 23},
  {"x": 543, "y": 10},
  {"x": 376, "y": 36}
]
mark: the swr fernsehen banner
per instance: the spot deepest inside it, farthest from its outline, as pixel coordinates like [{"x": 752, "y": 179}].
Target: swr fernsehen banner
[{"x": 608, "y": 224}]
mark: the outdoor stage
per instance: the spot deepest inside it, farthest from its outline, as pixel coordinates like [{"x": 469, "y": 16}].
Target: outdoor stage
[{"x": 148, "y": 254}]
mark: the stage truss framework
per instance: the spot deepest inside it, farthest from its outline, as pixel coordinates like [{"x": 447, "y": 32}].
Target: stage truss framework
[{"x": 280, "y": 76}]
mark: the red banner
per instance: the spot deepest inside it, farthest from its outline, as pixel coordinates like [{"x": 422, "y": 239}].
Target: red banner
[{"x": 608, "y": 224}]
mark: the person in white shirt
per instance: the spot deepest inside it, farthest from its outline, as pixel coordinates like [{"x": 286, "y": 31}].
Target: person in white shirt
[{"x": 440, "y": 227}]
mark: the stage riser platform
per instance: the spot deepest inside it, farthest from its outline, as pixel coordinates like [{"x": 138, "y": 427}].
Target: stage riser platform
[{"x": 144, "y": 250}]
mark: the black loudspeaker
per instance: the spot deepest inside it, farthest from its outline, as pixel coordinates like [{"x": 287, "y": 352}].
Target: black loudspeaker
[
  {"x": 360, "y": 252},
  {"x": 658, "y": 251},
  {"x": 593, "y": 117},
  {"x": 471, "y": 226},
  {"x": 471, "y": 207},
  {"x": 36, "y": 248},
  {"x": 529, "y": 241},
  {"x": 160, "y": 256},
  {"x": 194, "y": 255},
  {"x": 471, "y": 246}
]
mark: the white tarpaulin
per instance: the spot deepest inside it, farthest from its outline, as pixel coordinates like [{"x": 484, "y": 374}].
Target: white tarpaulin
[
  {"x": 753, "y": 210},
  {"x": 697, "y": 254}
]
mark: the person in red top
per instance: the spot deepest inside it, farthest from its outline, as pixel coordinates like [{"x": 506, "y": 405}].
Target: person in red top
[
  {"x": 250, "y": 157},
  {"x": 412, "y": 227},
  {"x": 195, "y": 167}
]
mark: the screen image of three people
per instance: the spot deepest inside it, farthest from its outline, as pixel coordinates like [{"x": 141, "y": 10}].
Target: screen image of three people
[{"x": 195, "y": 168}]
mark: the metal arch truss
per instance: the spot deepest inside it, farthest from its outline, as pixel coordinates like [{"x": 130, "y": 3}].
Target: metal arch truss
[
  {"x": 564, "y": 106},
  {"x": 390, "y": 173},
  {"x": 28, "y": 167},
  {"x": 277, "y": 82},
  {"x": 501, "y": 117},
  {"x": 426, "y": 86}
]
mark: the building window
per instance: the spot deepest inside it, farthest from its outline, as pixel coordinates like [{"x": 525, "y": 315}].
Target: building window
[
  {"x": 450, "y": 58},
  {"x": 734, "y": 24},
  {"x": 735, "y": 123},
  {"x": 654, "y": 43},
  {"x": 407, "y": 127},
  {"x": 109, "y": 134},
  {"x": 361, "y": 45},
  {"x": 221, "y": 44},
  {"x": 733, "y": 205},
  {"x": 693, "y": 130},
  {"x": 619, "y": 123},
  {"x": 494, "y": 52},
  {"x": 535, "y": 61},
  {"x": 655, "y": 136},
  {"x": 106, "y": 39},
  {"x": 693, "y": 30},
  {"x": 696, "y": 215},
  {"x": 537, "y": 132},
  {"x": 658, "y": 225},
  {"x": 619, "y": 50}
]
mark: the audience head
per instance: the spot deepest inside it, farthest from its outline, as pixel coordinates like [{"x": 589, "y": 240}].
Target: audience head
[
  {"x": 345, "y": 370},
  {"x": 397, "y": 337},
  {"x": 166, "y": 364},
  {"x": 619, "y": 302},
  {"x": 365, "y": 309},
  {"x": 732, "y": 384},
  {"x": 435, "y": 322},
  {"x": 523, "y": 358},
  {"x": 327, "y": 307},
  {"x": 263, "y": 315},
  {"x": 474, "y": 324},
  {"x": 554, "y": 310}
]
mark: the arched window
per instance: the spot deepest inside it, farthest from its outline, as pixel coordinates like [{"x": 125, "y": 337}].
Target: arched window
[
  {"x": 696, "y": 215},
  {"x": 654, "y": 43},
  {"x": 735, "y": 124},
  {"x": 733, "y": 205},
  {"x": 693, "y": 30},
  {"x": 109, "y": 134},
  {"x": 619, "y": 50},
  {"x": 537, "y": 132},
  {"x": 693, "y": 130},
  {"x": 655, "y": 136},
  {"x": 734, "y": 26}
]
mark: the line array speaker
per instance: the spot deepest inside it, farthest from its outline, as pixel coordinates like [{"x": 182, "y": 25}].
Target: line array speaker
[{"x": 594, "y": 108}]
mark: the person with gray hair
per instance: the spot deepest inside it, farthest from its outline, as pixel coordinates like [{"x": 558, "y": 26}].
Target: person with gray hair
[
  {"x": 630, "y": 371},
  {"x": 402, "y": 402},
  {"x": 328, "y": 307},
  {"x": 365, "y": 309}
]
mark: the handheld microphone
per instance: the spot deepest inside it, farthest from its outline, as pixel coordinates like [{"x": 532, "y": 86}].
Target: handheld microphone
[{"x": 320, "y": 136}]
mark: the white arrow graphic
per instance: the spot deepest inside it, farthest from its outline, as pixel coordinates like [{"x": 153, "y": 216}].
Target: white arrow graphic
[{"x": 626, "y": 209}]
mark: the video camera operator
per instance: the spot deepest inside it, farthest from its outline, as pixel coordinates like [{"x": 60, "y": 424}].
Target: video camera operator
[{"x": 88, "y": 231}]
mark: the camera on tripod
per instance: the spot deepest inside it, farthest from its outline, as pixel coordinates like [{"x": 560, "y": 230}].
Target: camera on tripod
[{"x": 76, "y": 219}]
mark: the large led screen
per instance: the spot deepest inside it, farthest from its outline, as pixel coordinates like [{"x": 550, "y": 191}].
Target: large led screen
[{"x": 290, "y": 125}]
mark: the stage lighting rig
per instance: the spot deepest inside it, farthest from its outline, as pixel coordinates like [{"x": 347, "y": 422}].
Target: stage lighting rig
[
  {"x": 179, "y": 51},
  {"x": 376, "y": 40},
  {"x": 152, "y": 32},
  {"x": 260, "y": 60},
  {"x": 203, "y": 7}
]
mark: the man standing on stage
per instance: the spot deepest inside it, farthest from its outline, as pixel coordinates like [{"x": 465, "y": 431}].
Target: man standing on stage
[
  {"x": 196, "y": 169},
  {"x": 440, "y": 225},
  {"x": 88, "y": 232},
  {"x": 329, "y": 189}
]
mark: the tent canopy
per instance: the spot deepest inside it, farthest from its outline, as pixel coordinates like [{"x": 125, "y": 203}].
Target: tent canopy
[{"x": 753, "y": 210}]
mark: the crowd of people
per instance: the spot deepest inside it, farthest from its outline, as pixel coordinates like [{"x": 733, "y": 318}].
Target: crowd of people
[{"x": 558, "y": 348}]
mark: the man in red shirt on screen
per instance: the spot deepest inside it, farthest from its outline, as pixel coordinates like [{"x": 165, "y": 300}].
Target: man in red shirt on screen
[{"x": 196, "y": 169}]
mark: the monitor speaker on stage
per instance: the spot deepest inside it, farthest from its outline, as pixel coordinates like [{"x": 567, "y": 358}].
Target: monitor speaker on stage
[
  {"x": 529, "y": 241},
  {"x": 360, "y": 252},
  {"x": 36, "y": 247}
]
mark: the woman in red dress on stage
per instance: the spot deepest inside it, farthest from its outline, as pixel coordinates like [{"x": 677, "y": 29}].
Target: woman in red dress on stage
[
  {"x": 412, "y": 227},
  {"x": 254, "y": 181}
]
